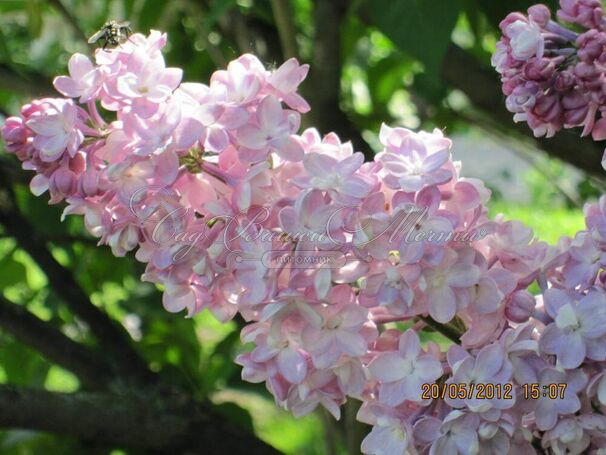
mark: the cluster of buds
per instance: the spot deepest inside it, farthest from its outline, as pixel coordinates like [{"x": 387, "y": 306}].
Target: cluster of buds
[{"x": 553, "y": 76}]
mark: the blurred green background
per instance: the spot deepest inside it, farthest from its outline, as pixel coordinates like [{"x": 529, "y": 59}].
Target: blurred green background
[{"x": 415, "y": 63}]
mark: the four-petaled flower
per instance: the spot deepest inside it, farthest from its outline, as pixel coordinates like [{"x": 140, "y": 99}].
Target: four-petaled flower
[
  {"x": 402, "y": 373},
  {"x": 58, "y": 130},
  {"x": 414, "y": 160},
  {"x": 578, "y": 329}
]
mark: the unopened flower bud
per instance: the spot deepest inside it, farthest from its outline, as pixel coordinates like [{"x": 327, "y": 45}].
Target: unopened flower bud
[
  {"x": 588, "y": 13},
  {"x": 63, "y": 182},
  {"x": 88, "y": 184},
  {"x": 540, "y": 14},
  {"x": 539, "y": 69},
  {"x": 520, "y": 306},
  {"x": 591, "y": 45},
  {"x": 124, "y": 240},
  {"x": 575, "y": 106},
  {"x": 564, "y": 81}
]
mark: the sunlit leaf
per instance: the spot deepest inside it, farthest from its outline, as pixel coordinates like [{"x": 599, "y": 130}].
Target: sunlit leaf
[{"x": 11, "y": 272}]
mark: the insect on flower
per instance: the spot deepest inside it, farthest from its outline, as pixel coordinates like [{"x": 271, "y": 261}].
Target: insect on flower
[{"x": 113, "y": 33}]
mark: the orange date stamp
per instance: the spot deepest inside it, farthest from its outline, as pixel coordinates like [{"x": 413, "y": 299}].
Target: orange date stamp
[
  {"x": 489, "y": 391},
  {"x": 462, "y": 391}
]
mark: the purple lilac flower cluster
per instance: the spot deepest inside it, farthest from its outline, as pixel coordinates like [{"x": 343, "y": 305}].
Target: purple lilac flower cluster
[{"x": 554, "y": 75}]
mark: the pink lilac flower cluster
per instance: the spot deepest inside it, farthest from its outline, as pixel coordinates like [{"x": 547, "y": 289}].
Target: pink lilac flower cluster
[
  {"x": 554, "y": 76},
  {"x": 340, "y": 268}
]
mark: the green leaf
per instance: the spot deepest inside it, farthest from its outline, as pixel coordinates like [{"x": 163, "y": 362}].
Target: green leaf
[
  {"x": 220, "y": 367},
  {"x": 420, "y": 28},
  {"x": 352, "y": 29},
  {"x": 45, "y": 218},
  {"x": 11, "y": 272},
  {"x": 127, "y": 6},
  {"x": 150, "y": 15},
  {"x": 34, "y": 18},
  {"x": 11, "y": 5},
  {"x": 429, "y": 88},
  {"x": 217, "y": 9},
  {"x": 23, "y": 366},
  {"x": 236, "y": 415},
  {"x": 387, "y": 76},
  {"x": 24, "y": 442}
]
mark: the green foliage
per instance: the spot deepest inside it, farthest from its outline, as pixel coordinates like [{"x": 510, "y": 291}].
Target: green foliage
[
  {"x": 13, "y": 272},
  {"x": 419, "y": 27},
  {"x": 21, "y": 365},
  {"x": 22, "y": 442},
  {"x": 292, "y": 436}
]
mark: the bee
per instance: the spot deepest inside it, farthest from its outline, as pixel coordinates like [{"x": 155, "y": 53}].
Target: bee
[{"x": 113, "y": 33}]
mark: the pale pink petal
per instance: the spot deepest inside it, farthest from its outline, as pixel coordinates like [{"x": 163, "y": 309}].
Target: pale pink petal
[
  {"x": 393, "y": 393},
  {"x": 385, "y": 441},
  {"x": 434, "y": 161},
  {"x": 388, "y": 367},
  {"x": 297, "y": 102},
  {"x": 38, "y": 185},
  {"x": 175, "y": 304},
  {"x": 66, "y": 86},
  {"x": 322, "y": 282},
  {"x": 252, "y": 137},
  {"x": 409, "y": 344},
  {"x": 351, "y": 343},
  {"x": 234, "y": 117},
  {"x": 572, "y": 350},
  {"x": 291, "y": 150},
  {"x": 351, "y": 164},
  {"x": 51, "y": 147},
  {"x": 171, "y": 77},
  {"x": 464, "y": 276},
  {"x": 355, "y": 187},
  {"x": 217, "y": 139},
  {"x": 442, "y": 304},
  {"x": 411, "y": 183},
  {"x": 429, "y": 197},
  {"x": 187, "y": 133},
  {"x": 292, "y": 365},
  {"x": 47, "y": 125},
  {"x": 270, "y": 112},
  {"x": 317, "y": 164}
]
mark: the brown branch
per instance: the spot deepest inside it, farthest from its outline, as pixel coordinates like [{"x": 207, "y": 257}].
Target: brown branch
[
  {"x": 287, "y": 31},
  {"x": 112, "y": 337},
  {"x": 445, "y": 330},
  {"x": 480, "y": 84},
  {"x": 90, "y": 367},
  {"x": 324, "y": 86},
  {"x": 172, "y": 424}
]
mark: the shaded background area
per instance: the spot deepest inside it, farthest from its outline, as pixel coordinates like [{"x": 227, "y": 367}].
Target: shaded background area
[{"x": 172, "y": 381}]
